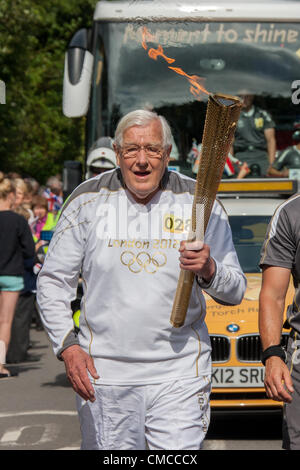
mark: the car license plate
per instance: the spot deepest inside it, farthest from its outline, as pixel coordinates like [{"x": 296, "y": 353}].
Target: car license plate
[{"x": 238, "y": 377}]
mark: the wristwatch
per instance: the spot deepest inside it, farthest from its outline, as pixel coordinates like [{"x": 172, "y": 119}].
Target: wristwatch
[{"x": 276, "y": 350}]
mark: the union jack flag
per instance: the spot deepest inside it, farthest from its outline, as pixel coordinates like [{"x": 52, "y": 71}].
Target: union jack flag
[{"x": 229, "y": 168}]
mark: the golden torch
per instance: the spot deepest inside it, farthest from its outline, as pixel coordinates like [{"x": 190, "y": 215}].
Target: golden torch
[{"x": 221, "y": 118}]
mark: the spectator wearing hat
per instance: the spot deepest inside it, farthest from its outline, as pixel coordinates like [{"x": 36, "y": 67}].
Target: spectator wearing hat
[{"x": 101, "y": 157}]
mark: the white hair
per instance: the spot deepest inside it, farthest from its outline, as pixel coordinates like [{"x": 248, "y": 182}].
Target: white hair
[{"x": 142, "y": 117}]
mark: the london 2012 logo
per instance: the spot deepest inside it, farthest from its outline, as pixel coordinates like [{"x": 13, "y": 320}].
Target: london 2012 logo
[{"x": 143, "y": 261}]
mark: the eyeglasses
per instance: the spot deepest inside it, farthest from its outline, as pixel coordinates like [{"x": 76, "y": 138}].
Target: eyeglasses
[{"x": 152, "y": 151}]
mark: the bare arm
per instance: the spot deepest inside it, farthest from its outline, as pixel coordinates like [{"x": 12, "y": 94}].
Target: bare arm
[
  {"x": 275, "y": 282},
  {"x": 271, "y": 307},
  {"x": 281, "y": 174},
  {"x": 271, "y": 144}
]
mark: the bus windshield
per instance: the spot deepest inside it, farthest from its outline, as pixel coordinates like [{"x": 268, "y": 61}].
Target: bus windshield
[{"x": 171, "y": 67}]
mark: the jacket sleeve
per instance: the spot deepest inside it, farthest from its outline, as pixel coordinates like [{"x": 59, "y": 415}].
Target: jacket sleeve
[
  {"x": 228, "y": 285},
  {"x": 58, "y": 279}
]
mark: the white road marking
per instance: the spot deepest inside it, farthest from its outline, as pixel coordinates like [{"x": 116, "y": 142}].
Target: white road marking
[
  {"x": 69, "y": 448},
  {"x": 49, "y": 431},
  {"x": 13, "y": 434}
]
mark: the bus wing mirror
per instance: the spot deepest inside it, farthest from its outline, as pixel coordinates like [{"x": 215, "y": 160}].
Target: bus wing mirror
[{"x": 77, "y": 76}]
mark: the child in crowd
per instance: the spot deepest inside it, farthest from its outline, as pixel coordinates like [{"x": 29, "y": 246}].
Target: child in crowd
[{"x": 43, "y": 220}]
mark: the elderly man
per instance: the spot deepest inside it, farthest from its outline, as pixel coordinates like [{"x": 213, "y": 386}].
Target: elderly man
[{"x": 139, "y": 381}]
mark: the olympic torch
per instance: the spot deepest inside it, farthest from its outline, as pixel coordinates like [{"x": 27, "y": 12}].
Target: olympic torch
[{"x": 221, "y": 118}]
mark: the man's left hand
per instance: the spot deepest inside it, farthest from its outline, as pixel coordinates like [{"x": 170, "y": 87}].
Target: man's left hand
[{"x": 195, "y": 256}]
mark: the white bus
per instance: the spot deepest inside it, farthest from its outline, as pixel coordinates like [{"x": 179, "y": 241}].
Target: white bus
[{"x": 166, "y": 56}]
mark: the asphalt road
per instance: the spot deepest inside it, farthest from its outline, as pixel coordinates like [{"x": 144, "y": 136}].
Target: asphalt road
[{"x": 37, "y": 411}]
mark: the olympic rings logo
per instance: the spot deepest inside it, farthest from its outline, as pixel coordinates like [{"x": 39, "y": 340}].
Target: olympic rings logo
[{"x": 136, "y": 263}]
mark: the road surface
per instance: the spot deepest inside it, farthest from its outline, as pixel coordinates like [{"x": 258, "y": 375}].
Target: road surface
[{"x": 38, "y": 411}]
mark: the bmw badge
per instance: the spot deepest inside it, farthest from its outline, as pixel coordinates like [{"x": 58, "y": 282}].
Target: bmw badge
[{"x": 233, "y": 328}]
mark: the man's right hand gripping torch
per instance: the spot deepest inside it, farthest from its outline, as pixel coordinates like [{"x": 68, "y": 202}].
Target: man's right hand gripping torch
[{"x": 220, "y": 123}]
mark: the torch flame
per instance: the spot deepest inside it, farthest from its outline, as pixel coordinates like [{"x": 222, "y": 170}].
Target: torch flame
[
  {"x": 196, "y": 87},
  {"x": 146, "y": 35},
  {"x": 154, "y": 53}
]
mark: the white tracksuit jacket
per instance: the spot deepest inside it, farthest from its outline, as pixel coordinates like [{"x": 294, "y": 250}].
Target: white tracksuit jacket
[{"x": 127, "y": 255}]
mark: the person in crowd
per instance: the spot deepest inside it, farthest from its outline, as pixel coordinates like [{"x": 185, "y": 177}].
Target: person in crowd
[
  {"x": 42, "y": 226},
  {"x": 16, "y": 245},
  {"x": 287, "y": 160},
  {"x": 34, "y": 184},
  {"x": 13, "y": 175},
  {"x": 24, "y": 212},
  {"x": 23, "y": 203},
  {"x": 21, "y": 191},
  {"x": 25, "y": 311},
  {"x": 27, "y": 201},
  {"x": 254, "y": 140},
  {"x": 23, "y": 196},
  {"x": 280, "y": 259},
  {"x": 54, "y": 194},
  {"x": 25, "y": 314},
  {"x": 132, "y": 371},
  {"x": 43, "y": 219},
  {"x": 101, "y": 157}
]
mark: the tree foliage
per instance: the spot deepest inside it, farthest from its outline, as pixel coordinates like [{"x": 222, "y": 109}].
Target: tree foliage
[{"x": 35, "y": 135}]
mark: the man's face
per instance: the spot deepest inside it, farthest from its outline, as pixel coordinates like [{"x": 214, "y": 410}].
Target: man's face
[
  {"x": 247, "y": 101},
  {"x": 142, "y": 168}
]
